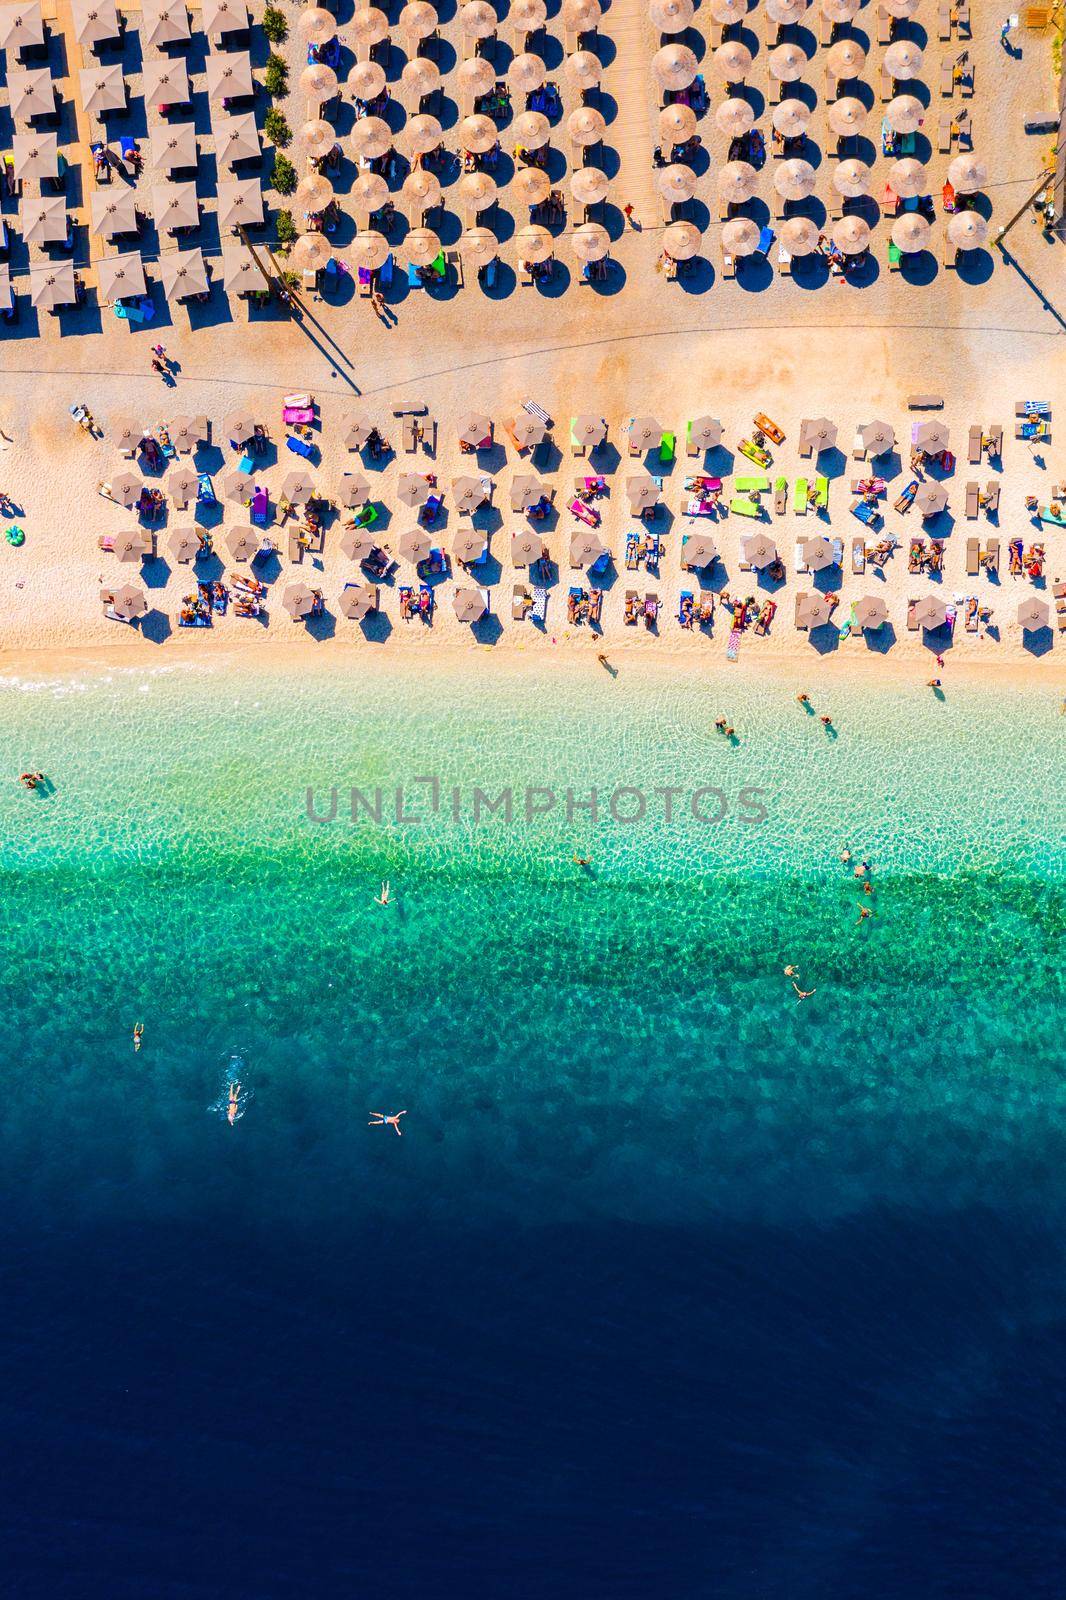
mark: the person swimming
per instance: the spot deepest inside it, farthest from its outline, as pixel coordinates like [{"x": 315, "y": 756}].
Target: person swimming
[
  {"x": 138, "y": 1034},
  {"x": 792, "y": 972},
  {"x": 382, "y": 899},
  {"x": 233, "y": 1104},
  {"x": 804, "y": 994},
  {"x": 379, "y": 1119}
]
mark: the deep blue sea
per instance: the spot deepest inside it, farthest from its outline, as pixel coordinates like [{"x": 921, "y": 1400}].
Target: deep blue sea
[{"x": 675, "y": 1285}]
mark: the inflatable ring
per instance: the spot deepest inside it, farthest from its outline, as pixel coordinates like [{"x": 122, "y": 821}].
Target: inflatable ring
[{"x": 15, "y": 536}]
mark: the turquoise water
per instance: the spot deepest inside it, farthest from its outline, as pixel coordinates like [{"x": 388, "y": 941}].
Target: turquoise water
[
  {"x": 618, "y": 1038},
  {"x": 671, "y": 1274}
]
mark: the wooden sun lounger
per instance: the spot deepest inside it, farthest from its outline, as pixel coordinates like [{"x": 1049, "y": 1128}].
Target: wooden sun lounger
[
  {"x": 973, "y": 500},
  {"x": 949, "y": 252},
  {"x": 976, "y": 435},
  {"x": 888, "y": 84},
  {"x": 801, "y": 598},
  {"x": 973, "y": 557},
  {"x": 944, "y": 135},
  {"x": 729, "y": 268},
  {"x": 884, "y": 26},
  {"x": 991, "y": 496},
  {"x": 925, "y": 402},
  {"x": 962, "y": 18},
  {"x": 858, "y": 555},
  {"x": 995, "y": 441},
  {"x": 947, "y": 78},
  {"x": 944, "y": 20},
  {"x": 784, "y": 262},
  {"x": 912, "y": 620},
  {"x": 992, "y": 555}
]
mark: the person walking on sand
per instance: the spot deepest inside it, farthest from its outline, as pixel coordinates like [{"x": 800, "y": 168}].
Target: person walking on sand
[
  {"x": 382, "y": 899},
  {"x": 378, "y": 1119},
  {"x": 627, "y": 212}
]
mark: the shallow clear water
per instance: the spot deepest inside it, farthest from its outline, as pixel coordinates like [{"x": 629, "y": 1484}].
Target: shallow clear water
[{"x": 629, "y": 1153}]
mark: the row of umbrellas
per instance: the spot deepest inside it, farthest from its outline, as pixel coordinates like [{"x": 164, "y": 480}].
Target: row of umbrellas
[
  {"x": 674, "y": 16},
  {"x": 675, "y": 66}
]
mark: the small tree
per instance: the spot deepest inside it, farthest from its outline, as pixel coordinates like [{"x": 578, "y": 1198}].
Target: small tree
[
  {"x": 277, "y": 129},
  {"x": 276, "y": 77},
  {"x": 283, "y": 174},
  {"x": 274, "y": 25},
  {"x": 285, "y": 228}
]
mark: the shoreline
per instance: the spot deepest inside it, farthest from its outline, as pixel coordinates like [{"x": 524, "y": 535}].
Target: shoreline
[{"x": 869, "y": 668}]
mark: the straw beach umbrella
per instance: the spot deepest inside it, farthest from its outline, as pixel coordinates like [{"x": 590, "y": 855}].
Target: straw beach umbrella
[
  {"x": 528, "y": 14},
  {"x": 786, "y": 63},
  {"x": 870, "y": 612},
  {"x": 851, "y": 178},
  {"x": 677, "y": 123},
  {"x": 581, "y": 15},
  {"x": 371, "y": 138},
  {"x": 591, "y": 242},
  {"x": 422, "y": 134},
  {"x": 799, "y": 235},
  {"x": 421, "y": 76},
  {"x": 585, "y": 126},
  {"x": 421, "y": 191},
  {"x": 476, "y": 76},
  {"x": 477, "y": 190},
  {"x": 847, "y": 116},
  {"x": 468, "y": 605},
  {"x": 316, "y": 25},
  {"x": 904, "y": 114},
  {"x": 477, "y": 134},
  {"x": 583, "y": 69},
  {"x": 785, "y": 12},
  {"x": 534, "y": 244},
  {"x": 737, "y": 181},
  {"x": 740, "y": 236},
  {"x": 676, "y": 183},
  {"x": 532, "y": 129},
  {"x": 733, "y": 117},
  {"x": 369, "y": 250},
  {"x": 908, "y": 178},
  {"x": 967, "y": 230},
  {"x": 732, "y": 61},
  {"x": 370, "y": 26},
  {"x": 310, "y": 253},
  {"x": 846, "y": 59},
  {"x": 910, "y": 233},
  {"x": 299, "y": 601},
  {"x": 728, "y": 11},
  {"x": 313, "y": 193},
  {"x": 671, "y": 16},
  {"x": 366, "y": 80},
  {"x": 589, "y": 185},
  {"x": 421, "y": 246},
  {"x": 129, "y": 602},
  {"x": 903, "y": 60},
  {"x": 478, "y": 19},
  {"x": 967, "y": 175},
  {"x": 851, "y": 235},
  {"x": 369, "y": 192},
  {"x": 418, "y": 20},
  {"x": 795, "y": 180},
  {"x": 532, "y": 186},
  {"x": 675, "y": 66},
  {"x": 479, "y": 246},
  {"x": 790, "y": 118},
  {"x": 316, "y": 138},
  {"x": 682, "y": 241},
  {"x": 526, "y": 73},
  {"x": 840, "y": 11}
]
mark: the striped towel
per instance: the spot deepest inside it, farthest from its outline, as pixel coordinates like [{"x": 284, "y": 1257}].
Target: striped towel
[
  {"x": 536, "y": 411},
  {"x": 734, "y": 645}
]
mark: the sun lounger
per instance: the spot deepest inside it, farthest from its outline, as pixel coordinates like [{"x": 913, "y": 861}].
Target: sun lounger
[
  {"x": 780, "y": 496},
  {"x": 799, "y": 497},
  {"x": 973, "y": 500},
  {"x": 944, "y": 135},
  {"x": 858, "y": 555},
  {"x": 974, "y": 446},
  {"x": 949, "y": 252},
  {"x": 801, "y": 565},
  {"x": 801, "y": 600},
  {"x": 995, "y": 442},
  {"x": 912, "y": 620},
  {"x": 729, "y": 269},
  {"x": 947, "y": 78},
  {"x": 821, "y": 493},
  {"x": 991, "y": 559},
  {"x": 888, "y": 84},
  {"x": 973, "y": 557},
  {"x": 521, "y": 602},
  {"x": 884, "y": 26},
  {"x": 943, "y": 20},
  {"x": 925, "y": 402},
  {"x": 990, "y": 499},
  {"x": 742, "y": 505}
]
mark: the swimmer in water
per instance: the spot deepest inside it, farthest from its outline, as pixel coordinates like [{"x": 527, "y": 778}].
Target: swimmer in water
[
  {"x": 378, "y": 1119},
  {"x": 864, "y": 912},
  {"x": 792, "y": 972},
  {"x": 582, "y": 861},
  {"x": 382, "y": 899},
  {"x": 138, "y": 1034},
  {"x": 804, "y": 994},
  {"x": 845, "y": 855},
  {"x": 233, "y": 1104}
]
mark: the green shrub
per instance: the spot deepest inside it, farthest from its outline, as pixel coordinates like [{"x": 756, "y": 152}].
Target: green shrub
[
  {"x": 283, "y": 174},
  {"x": 276, "y": 77},
  {"x": 277, "y": 129},
  {"x": 285, "y": 227},
  {"x": 274, "y": 25}
]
